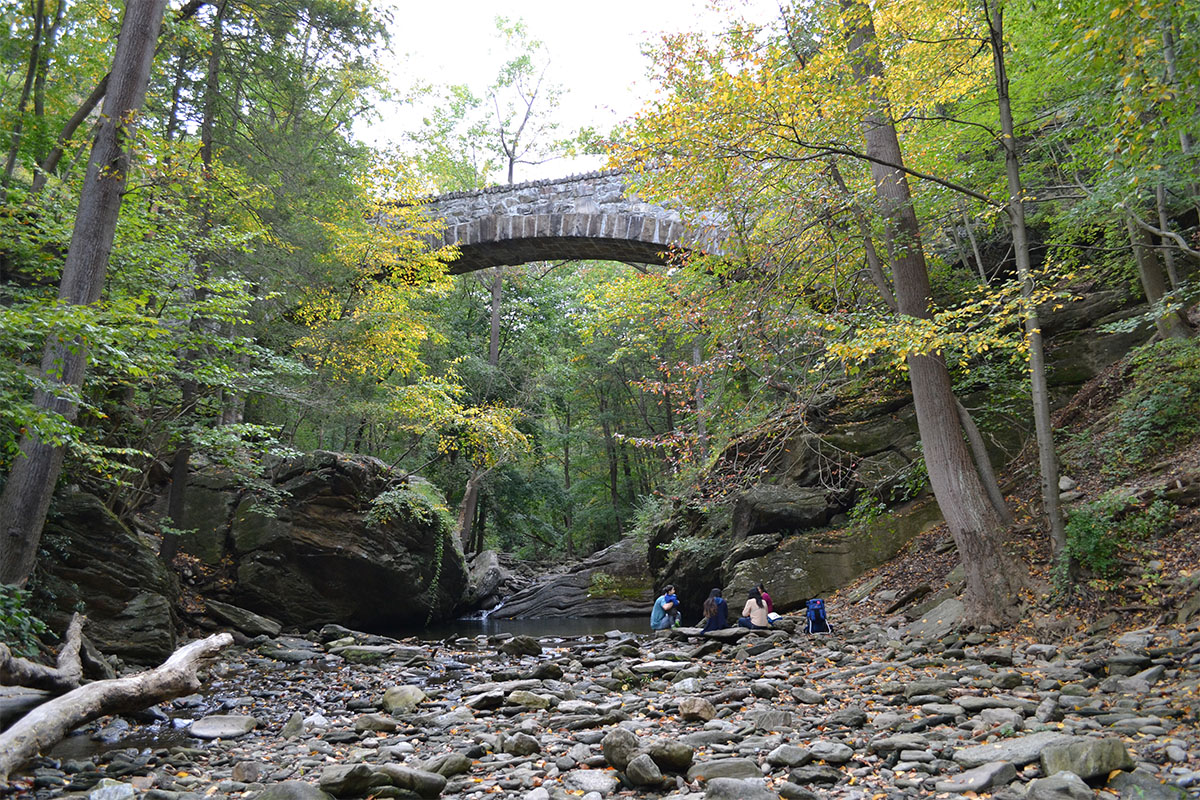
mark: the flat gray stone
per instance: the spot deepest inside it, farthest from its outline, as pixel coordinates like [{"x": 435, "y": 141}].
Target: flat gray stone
[
  {"x": 1088, "y": 758},
  {"x": 292, "y": 790},
  {"x": 108, "y": 789},
  {"x": 426, "y": 784},
  {"x": 831, "y": 752},
  {"x": 979, "y": 779},
  {"x": 941, "y": 620},
  {"x": 402, "y": 699},
  {"x": 734, "y": 789},
  {"x": 738, "y": 768},
  {"x": 1019, "y": 751},
  {"x": 591, "y": 780},
  {"x": 1063, "y": 786},
  {"x": 222, "y": 726},
  {"x": 789, "y": 755},
  {"x": 244, "y": 620}
]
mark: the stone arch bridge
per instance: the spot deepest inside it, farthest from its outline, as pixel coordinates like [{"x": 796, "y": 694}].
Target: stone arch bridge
[{"x": 589, "y": 216}]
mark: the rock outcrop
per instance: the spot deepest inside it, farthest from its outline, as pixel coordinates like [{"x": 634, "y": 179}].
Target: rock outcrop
[
  {"x": 352, "y": 543},
  {"x": 91, "y": 561},
  {"x": 614, "y": 582}
]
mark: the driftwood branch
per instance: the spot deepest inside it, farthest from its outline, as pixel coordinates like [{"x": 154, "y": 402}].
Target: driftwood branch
[
  {"x": 49, "y": 723},
  {"x": 63, "y": 677}
]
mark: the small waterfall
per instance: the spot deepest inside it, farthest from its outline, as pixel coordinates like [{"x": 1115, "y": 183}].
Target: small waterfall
[{"x": 488, "y": 612}]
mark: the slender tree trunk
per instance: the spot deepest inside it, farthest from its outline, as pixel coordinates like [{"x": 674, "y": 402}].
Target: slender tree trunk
[
  {"x": 1040, "y": 392},
  {"x": 189, "y": 389},
  {"x": 494, "y": 327},
  {"x": 983, "y": 463},
  {"x": 701, "y": 414},
  {"x": 49, "y": 40},
  {"x": 1164, "y": 222},
  {"x": 991, "y": 580},
  {"x": 467, "y": 510},
  {"x": 874, "y": 262},
  {"x": 30, "y": 484},
  {"x": 1171, "y": 325},
  {"x": 974, "y": 245},
  {"x": 50, "y": 162},
  {"x": 35, "y": 46},
  {"x": 568, "y": 510},
  {"x": 610, "y": 452}
]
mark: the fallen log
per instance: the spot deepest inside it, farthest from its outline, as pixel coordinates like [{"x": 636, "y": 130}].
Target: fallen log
[
  {"x": 65, "y": 675},
  {"x": 50, "y": 722}
]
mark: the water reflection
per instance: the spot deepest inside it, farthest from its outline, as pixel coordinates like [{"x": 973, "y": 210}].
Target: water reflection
[{"x": 552, "y": 627}]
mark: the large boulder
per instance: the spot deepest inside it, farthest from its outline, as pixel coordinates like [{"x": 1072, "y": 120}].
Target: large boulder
[
  {"x": 614, "y": 582},
  {"x": 491, "y": 577},
  {"x": 353, "y": 543},
  {"x": 91, "y": 561}
]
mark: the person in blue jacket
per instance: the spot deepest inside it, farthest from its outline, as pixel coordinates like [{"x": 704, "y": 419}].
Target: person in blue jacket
[
  {"x": 665, "y": 611},
  {"x": 716, "y": 612}
]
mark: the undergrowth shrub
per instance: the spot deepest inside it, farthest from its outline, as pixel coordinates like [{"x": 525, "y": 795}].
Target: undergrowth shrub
[
  {"x": 1099, "y": 532},
  {"x": 19, "y": 628},
  {"x": 1160, "y": 407}
]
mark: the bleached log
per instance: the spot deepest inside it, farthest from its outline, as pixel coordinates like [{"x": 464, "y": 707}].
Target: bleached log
[
  {"x": 63, "y": 677},
  {"x": 49, "y": 723}
]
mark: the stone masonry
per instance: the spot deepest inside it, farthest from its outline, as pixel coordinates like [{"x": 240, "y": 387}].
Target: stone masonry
[{"x": 589, "y": 216}]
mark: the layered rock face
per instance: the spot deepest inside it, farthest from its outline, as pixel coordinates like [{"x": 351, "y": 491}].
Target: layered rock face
[
  {"x": 614, "y": 582},
  {"x": 93, "y": 563},
  {"x": 324, "y": 556},
  {"x": 793, "y": 530}
]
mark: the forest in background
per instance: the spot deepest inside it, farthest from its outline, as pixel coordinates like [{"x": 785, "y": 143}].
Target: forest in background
[{"x": 1009, "y": 155}]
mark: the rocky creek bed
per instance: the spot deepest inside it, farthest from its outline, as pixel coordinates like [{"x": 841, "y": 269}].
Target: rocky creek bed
[{"x": 877, "y": 709}]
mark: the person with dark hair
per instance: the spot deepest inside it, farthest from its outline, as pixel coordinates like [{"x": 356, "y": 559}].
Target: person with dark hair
[
  {"x": 754, "y": 613},
  {"x": 665, "y": 611},
  {"x": 766, "y": 599},
  {"x": 716, "y": 612}
]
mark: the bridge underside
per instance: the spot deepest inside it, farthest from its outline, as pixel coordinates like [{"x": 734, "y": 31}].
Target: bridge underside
[
  {"x": 498, "y": 240},
  {"x": 558, "y": 248}
]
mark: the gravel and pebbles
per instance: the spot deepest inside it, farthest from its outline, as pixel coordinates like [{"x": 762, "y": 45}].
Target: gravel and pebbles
[{"x": 872, "y": 711}]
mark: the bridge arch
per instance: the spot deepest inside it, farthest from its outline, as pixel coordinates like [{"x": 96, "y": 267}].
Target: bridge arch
[{"x": 589, "y": 216}]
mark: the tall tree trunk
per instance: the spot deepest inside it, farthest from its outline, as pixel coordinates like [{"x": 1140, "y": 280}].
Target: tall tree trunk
[
  {"x": 1172, "y": 325},
  {"x": 568, "y": 510},
  {"x": 701, "y": 419},
  {"x": 30, "y": 484},
  {"x": 189, "y": 389},
  {"x": 610, "y": 452},
  {"x": 991, "y": 580},
  {"x": 49, "y": 39},
  {"x": 1044, "y": 432},
  {"x": 1164, "y": 222},
  {"x": 467, "y": 509},
  {"x": 35, "y": 46},
  {"x": 494, "y": 321},
  {"x": 974, "y": 245}
]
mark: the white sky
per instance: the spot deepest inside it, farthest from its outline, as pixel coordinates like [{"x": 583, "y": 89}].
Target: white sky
[{"x": 595, "y": 55}]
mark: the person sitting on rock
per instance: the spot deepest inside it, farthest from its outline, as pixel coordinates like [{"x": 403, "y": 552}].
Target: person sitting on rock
[
  {"x": 762, "y": 591},
  {"x": 754, "y": 613},
  {"x": 716, "y": 612},
  {"x": 666, "y": 610}
]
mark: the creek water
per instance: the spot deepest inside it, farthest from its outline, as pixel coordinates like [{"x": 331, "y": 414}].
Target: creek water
[{"x": 543, "y": 627}]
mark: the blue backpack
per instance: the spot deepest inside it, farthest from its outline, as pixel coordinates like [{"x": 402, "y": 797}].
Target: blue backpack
[{"x": 815, "y": 614}]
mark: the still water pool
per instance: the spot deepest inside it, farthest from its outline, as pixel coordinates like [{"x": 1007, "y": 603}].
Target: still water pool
[{"x": 552, "y": 627}]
